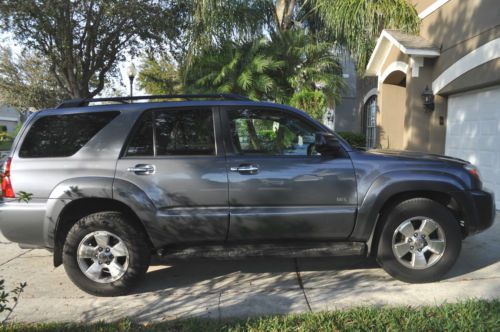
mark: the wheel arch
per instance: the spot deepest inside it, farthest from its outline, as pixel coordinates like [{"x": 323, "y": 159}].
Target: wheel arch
[
  {"x": 445, "y": 199},
  {"x": 389, "y": 190},
  {"x": 79, "y": 208}
]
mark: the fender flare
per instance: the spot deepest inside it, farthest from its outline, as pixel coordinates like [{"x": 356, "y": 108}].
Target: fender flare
[
  {"x": 391, "y": 184},
  {"x": 74, "y": 189},
  {"x": 68, "y": 191}
]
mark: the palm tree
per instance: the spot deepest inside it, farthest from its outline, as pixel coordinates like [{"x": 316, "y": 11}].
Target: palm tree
[
  {"x": 354, "y": 24},
  {"x": 308, "y": 63},
  {"x": 235, "y": 68}
]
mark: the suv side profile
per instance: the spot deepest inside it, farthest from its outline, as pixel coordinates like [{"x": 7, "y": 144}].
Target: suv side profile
[{"x": 110, "y": 185}]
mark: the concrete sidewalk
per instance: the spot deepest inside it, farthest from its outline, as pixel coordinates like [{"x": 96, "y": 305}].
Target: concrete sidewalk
[{"x": 242, "y": 288}]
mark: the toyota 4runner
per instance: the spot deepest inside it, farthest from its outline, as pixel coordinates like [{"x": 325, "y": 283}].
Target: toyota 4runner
[{"x": 104, "y": 187}]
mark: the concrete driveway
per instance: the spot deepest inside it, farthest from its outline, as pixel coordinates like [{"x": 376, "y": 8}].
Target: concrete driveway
[{"x": 247, "y": 287}]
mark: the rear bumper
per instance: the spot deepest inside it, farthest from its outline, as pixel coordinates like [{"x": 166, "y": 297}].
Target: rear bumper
[
  {"x": 23, "y": 222},
  {"x": 483, "y": 211}
]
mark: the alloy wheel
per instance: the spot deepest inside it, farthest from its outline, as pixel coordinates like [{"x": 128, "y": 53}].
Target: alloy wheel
[
  {"x": 418, "y": 243},
  {"x": 102, "y": 257}
]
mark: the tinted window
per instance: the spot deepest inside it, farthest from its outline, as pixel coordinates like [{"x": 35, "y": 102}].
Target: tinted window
[
  {"x": 184, "y": 132},
  {"x": 142, "y": 140},
  {"x": 63, "y": 135},
  {"x": 177, "y": 132},
  {"x": 271, "y": 132}
]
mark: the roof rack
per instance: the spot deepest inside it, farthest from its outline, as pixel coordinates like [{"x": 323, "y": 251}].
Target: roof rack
[{"x": 125, "y": 100}]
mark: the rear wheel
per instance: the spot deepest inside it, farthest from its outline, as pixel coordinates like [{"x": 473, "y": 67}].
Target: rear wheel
[
  {"x": 105, "y": 254},
  {"x": 420, "y": 241}
]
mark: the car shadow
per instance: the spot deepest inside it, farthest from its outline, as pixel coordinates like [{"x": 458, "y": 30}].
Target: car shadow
[
  {"x": 479, "y": 252},
  {"x": 219, "y": 275}
]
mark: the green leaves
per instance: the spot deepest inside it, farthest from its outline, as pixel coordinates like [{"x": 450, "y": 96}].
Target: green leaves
[
  {"x": 23, "y": 196},
  {"x": 82, "y": 41},
  {"x": 159, "y": 75},
  {"x": 356, "y": 24},
  {"x": 312, "y": 102},
  {"x": 9, "y": 300},
  {"x": 243, "y": 68},
  {"x": 28, "y": 75}
]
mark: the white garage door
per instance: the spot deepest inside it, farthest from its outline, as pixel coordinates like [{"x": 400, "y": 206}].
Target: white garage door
[{"x": 473, "y": 133}]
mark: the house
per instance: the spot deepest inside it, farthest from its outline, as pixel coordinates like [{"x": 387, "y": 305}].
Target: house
[
  {"x": 345, "y": 116},
  {"x": 439, "y": 92},
  {"x": 9, "y": 119}
]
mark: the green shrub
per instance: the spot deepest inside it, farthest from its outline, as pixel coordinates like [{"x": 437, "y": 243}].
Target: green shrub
[
  {"x": 311, "y": 102},
  {"x": 5, "y": 145},
  {"x": 9, "y": 300},
  {"x": 356, "y": 140}
]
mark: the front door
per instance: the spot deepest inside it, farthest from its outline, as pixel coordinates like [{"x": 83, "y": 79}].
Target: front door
[
  {"x": 173, "y": 157},
  {"x": 279, "y": 186}
]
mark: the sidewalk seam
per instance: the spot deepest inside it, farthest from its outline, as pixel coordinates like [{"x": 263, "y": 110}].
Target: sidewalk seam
[
  {"x": 301, "y": 283},
  {"x": 219, "y": 313},
  {"x": 21, "y": 254}
]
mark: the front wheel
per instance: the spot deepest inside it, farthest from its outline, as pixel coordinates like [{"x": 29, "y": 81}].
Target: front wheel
[
  {"x": 420, "y": 241},
  {"x": 105, "y": 254}
]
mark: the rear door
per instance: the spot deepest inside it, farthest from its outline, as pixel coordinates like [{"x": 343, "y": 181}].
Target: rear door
[
  {"x": 279, "y": 187},
  {"x": 174, "y": 157}
]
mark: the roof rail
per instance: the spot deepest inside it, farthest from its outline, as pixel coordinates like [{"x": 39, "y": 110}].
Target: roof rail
[{"x": 125, "y": 100}]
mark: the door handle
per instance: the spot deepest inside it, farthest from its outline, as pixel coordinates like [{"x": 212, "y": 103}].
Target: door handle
[
  {"x": 142, "y": 169},
  {"x": 252, "y": 169}
]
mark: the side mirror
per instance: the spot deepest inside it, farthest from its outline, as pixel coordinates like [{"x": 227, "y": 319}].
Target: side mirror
[{"x": 327, "y": 143}]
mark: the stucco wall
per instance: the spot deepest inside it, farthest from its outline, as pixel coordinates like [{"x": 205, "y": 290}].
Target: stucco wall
[
  {"x": 459, "y": 27},
  {"x": 391, "y": 127}
]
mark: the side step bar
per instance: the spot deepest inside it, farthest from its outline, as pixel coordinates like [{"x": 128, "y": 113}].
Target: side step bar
[{"x": 302, "y": 250}]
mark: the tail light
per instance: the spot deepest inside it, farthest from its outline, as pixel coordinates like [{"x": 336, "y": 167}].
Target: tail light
[
  {"x": 7, "y": 190},
  {"x": 473, "y": 170}
]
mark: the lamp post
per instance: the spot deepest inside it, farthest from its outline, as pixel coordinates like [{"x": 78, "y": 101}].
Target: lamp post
[{"x": 131, "y": 72}]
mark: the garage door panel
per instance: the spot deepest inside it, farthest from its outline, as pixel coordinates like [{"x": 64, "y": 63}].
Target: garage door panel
[{"x": 473, "y": 133}]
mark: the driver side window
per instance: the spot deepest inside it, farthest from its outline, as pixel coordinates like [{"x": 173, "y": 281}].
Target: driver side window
[{"x": 270, "y": 132}]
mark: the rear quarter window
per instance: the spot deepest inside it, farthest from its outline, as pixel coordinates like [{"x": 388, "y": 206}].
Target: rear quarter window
[{"x": 63, "y": 135}]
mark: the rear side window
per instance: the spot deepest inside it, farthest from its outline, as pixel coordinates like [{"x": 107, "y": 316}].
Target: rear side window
[
  {"x": 63, "y": 135},
  {"x": 141, "y": 144},
  {"x": 174, "y": 132}
]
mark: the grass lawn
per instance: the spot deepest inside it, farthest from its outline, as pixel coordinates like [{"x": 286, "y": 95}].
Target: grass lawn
[{"x": 473, "y": 315}]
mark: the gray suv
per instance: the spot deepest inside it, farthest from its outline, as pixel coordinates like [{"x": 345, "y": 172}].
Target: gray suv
[{"x": 107, "y": 186}]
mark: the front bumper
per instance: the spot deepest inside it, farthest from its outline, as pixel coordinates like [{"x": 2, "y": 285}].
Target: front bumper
[{"x": 483, "y": 211}]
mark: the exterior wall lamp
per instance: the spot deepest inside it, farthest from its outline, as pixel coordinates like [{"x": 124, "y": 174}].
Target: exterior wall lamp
[{"x": 428, "y": 99}]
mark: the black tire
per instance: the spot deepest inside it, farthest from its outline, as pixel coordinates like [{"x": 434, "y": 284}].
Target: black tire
[
  {"x": 419, "y": 207},
  {"x": 131, "y": 235}
]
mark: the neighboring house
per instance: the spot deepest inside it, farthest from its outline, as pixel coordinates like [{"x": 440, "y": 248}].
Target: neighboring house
[
  {"x": 9, "y": 119},
  {"x": 457, "y": 58},
  {"x": 345, "y": 117}
]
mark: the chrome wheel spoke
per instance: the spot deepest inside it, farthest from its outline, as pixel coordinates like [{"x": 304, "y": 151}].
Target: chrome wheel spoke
[
  {"x": 436, "y": 246},
  {"x": 86, "y": 251},
  {"x": 418, "y": 260},
  {"x": 119, "y": 250},
  {"x": 407, "y": 229},
  {"x": 402, "y": 249},
  {"x": 115, "y": 269},
  {"x": 102, "y": 239},
  {"x": 95, "y": 270},
  {"x": 428, "y": 227}
]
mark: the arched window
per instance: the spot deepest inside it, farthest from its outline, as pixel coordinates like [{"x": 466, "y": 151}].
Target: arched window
[{"x": 370, "y": 122}]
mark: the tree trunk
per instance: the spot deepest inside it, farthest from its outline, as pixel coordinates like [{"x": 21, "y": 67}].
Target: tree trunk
[{"x": 284, "y": 13}]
